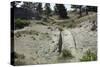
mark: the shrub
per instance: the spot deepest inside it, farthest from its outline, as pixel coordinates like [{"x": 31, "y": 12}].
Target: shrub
[
  {"x": 21, "y": 23},
  {"x": 18, "y": 58},
  {"x": 33, "y": 38},
  {"x": 71, "y": 24},
  {"x": 45, "y": 19},
  {"x": 19, "y": 62},
  {"x": 53, "y": 41},
  {"x": 18, "y": 34},
  {"x": 89, "y": 56},
  {"x": 60, "y": 29},
  {"x": 17, "y": 55},
  {"x": 49, "y": 27},
  {"x": 66, "y": 54}
]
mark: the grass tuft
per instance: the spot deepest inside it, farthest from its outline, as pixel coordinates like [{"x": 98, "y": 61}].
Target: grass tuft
[{"x": 89, "y": 56}]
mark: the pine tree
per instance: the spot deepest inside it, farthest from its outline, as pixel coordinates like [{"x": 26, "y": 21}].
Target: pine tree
[
  {"x": 61, "y": 11},
  {"x": 28, "y": 5},
  {"x": 47, "y": 10},
  {"x": 14, "y": 4},
  {"x": 92, "y": 8},
  {"x": 77, "y": 7},
  {"x": 86, "y": 9},
  {"x": 39, "y": 10}
]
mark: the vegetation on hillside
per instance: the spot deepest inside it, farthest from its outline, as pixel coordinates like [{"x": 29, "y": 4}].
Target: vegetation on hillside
[
  {"x": 48, "y": 32},
  {"x": 19, "y": 23},
  {"x": 89, "y": 56}
]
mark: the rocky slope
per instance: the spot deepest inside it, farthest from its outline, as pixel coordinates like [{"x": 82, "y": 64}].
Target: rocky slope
[{"x": 39, "y": 43}]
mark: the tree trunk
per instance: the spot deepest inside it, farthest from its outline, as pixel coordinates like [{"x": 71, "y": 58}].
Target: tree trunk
[
  {"x": 80, "y": 11},
  {"x": 86, "y": 11}
]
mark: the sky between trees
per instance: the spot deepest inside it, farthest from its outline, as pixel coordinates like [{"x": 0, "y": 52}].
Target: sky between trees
[{"x": 51, "y": 5}]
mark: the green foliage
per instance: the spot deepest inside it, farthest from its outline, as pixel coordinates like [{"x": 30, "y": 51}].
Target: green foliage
[
  {"x": 66, "y": 54},
  {"x": 53, "y": 41},
  {"x": 78, "y": 7},
  {"x": 15, "y": 3},
  {"x": 19, "y": 62},
  {"x": 61, "y": 10},
  {"x": 47, "y": 9},
  {"x": 18, "y": 34},
  {"x": 18, "y": 59},
  {"x": 21, "y": 23},
  {"x": 60, "y": 28},
  {"x": 89, "y": 56},
  {"x": 33, "y": 38},
  {"x": 92, "y": 8},
  {"x": 45, "y": 19},
  {"x": 71, "y": 25},
  {"x": 27, "y": 5},
  {"x": 16, "y": 56},
  {"x": 49, "y": 27},
  {"x": 39, "y": 8}
]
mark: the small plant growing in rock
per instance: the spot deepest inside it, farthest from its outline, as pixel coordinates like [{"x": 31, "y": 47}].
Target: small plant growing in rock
[
  {"x": 19, "y": 62},
  {"x": 18, "y": 58},
  {"x": 94, "y": 26},
  {"x": 49, "y": 27},
  {"x": 17, "y": 55},
  {"x": 33, "y": 38},
  {"x": 60, "y": 29},
  {"x": 37, "y": 34},
  {"x": 24, "y": 35},
  {"x": 63, "y": 25},
  {"x": 66, "y": 54},
  {"x": 53, "y": 22},
  {"x": 45, "y": 19},
  {"x": 18, "y": 35},
  {"x": 46, "y": 33},
  {"x": 89, "y": 56},
  {"x": 53, "y": 41}
]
